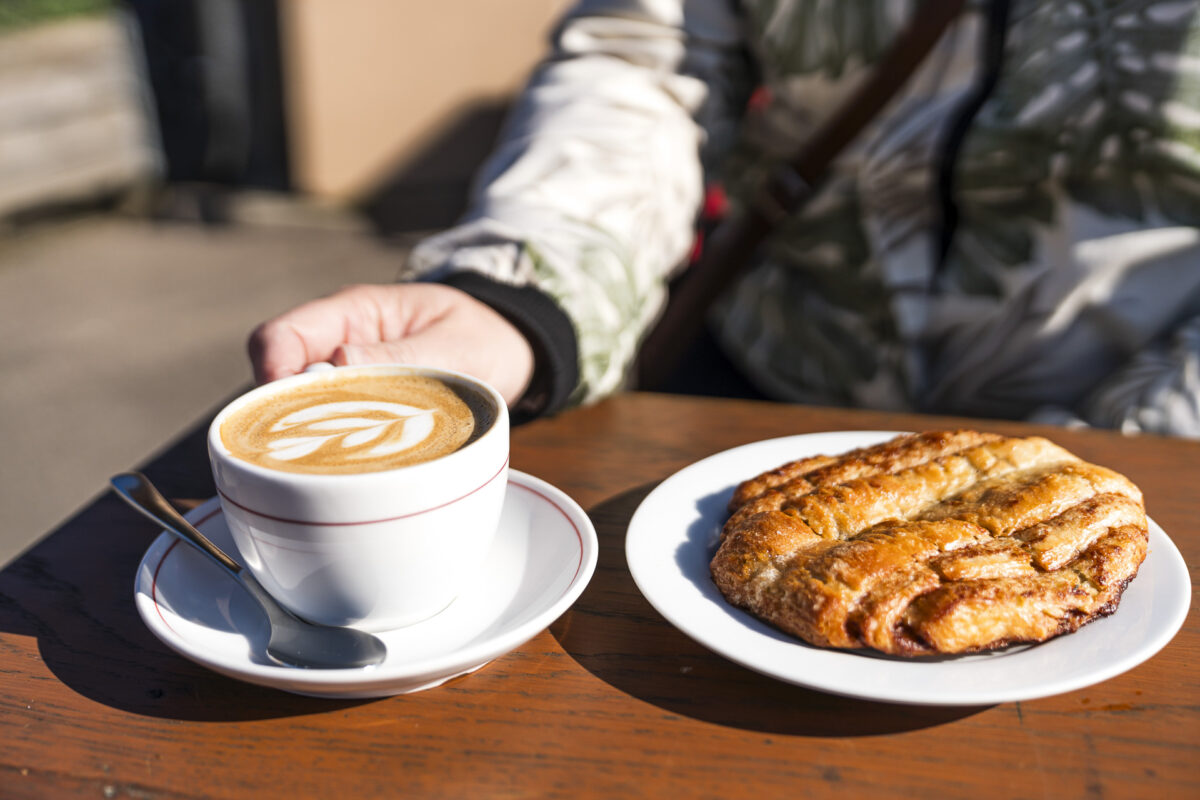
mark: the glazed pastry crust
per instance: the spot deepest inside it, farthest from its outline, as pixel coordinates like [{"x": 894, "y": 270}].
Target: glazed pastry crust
[{"x": 933, "y": 543}]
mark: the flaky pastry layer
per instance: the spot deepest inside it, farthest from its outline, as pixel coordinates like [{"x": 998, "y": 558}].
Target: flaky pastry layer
[{"x": 933, "y": 543}]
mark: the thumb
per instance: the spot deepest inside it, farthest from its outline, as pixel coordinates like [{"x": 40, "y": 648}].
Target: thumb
[
  {"x": 401, "y": 351},
  {"x": 482, "y": 345}
]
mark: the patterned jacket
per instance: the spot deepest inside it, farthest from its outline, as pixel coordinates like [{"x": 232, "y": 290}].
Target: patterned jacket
[{"x": 1016, "y": 235}]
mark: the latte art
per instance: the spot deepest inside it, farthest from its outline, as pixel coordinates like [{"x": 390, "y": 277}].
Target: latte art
[
  {"x": 361, "y": 429},
  {"x": 354, "y": 423}
]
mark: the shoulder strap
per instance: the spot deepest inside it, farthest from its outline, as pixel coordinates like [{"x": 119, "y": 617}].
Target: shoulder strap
[{"x": 730, "y": 248}]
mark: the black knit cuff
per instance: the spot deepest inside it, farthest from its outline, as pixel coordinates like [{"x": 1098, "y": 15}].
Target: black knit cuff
[{"x": 549, "y": 331}]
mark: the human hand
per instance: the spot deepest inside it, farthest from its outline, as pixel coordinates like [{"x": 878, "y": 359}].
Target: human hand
[{"x": 411, "y": 323}]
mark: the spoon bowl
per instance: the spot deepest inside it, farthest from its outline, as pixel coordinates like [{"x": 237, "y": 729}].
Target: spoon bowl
[{"x": 293, "y": 642}]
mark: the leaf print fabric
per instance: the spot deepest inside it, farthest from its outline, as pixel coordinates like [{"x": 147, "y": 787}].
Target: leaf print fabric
[{"x": 1073, "y": 266}]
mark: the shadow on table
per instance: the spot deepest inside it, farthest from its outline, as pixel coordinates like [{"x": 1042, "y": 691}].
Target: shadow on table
[
  {"x": 650, "y": 659},
  {"x": 74, "y": 592}
]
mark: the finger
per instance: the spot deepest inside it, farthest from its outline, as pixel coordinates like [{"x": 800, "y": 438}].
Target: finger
[
  {"x": 308, "y": 333},
  {"x": 276, "y": 351},
  {"x": 315, "y": 330}
]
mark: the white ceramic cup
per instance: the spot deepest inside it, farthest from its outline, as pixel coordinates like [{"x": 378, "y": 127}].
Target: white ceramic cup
[{"x": 375, "y": 550}]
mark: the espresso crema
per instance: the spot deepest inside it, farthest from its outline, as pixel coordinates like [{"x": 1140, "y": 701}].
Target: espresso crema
[{"x": 345, "y": 424}]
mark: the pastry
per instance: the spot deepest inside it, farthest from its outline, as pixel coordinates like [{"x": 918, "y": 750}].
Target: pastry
[{"x": 933, "y": 543}]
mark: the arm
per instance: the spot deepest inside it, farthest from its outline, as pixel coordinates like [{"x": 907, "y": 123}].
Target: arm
[{"x": 590, "y": 199}]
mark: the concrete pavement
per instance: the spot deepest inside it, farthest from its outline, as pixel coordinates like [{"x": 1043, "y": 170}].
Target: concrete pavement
[{"x": 116, "y": 334}]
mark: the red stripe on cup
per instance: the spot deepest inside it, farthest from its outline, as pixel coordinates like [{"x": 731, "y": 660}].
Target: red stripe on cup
[{"x": 230, "y": 500}]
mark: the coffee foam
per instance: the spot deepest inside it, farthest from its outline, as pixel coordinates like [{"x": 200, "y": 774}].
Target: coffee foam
[{"x": 356, "y": 423}]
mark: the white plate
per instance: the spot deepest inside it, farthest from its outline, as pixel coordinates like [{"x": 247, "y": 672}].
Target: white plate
[
  {"x": 672, "y": 537},
  {"x": 542, "y": 558}
]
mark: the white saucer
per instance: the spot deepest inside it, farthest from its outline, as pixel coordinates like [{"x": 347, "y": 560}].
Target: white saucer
[
  {"x": 673, "y": 534},
  {"x": 542, "y": 558}
]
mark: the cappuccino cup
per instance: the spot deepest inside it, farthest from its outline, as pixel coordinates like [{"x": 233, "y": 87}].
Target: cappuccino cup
[{"x": 364, "y": 496}]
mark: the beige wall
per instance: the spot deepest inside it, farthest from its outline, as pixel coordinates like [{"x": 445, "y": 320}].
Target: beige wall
[{"x": 369, "y": 82}]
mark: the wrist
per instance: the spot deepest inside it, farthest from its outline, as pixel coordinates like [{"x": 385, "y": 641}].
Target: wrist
[{"x": 547, "y": 329}]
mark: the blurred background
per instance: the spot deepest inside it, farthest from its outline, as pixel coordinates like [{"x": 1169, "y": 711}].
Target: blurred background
[{"x": 174, "y": 171}]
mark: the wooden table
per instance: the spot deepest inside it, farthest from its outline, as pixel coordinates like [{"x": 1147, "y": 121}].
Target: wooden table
[{"x": 610, "y": 701}]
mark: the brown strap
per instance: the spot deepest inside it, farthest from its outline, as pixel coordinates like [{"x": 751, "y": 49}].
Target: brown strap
[{"x": 730, "y": 248}]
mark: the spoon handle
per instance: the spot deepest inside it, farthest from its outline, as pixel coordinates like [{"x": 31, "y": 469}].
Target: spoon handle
[
  {"x": 136, "y": 490},
  {"x": 293, "y": 642}
]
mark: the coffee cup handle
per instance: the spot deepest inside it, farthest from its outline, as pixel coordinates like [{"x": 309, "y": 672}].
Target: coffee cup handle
[{"x": 319, "y": 366}]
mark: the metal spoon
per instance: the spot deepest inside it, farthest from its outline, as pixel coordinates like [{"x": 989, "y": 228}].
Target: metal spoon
[{"x": 293, "y": 642}]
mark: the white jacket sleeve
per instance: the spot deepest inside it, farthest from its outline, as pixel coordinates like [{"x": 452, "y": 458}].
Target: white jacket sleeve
[{"x": 592, "y": 194}]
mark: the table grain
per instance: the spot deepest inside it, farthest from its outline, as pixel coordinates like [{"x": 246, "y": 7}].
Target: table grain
[{"x": 609, "y": 701}]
